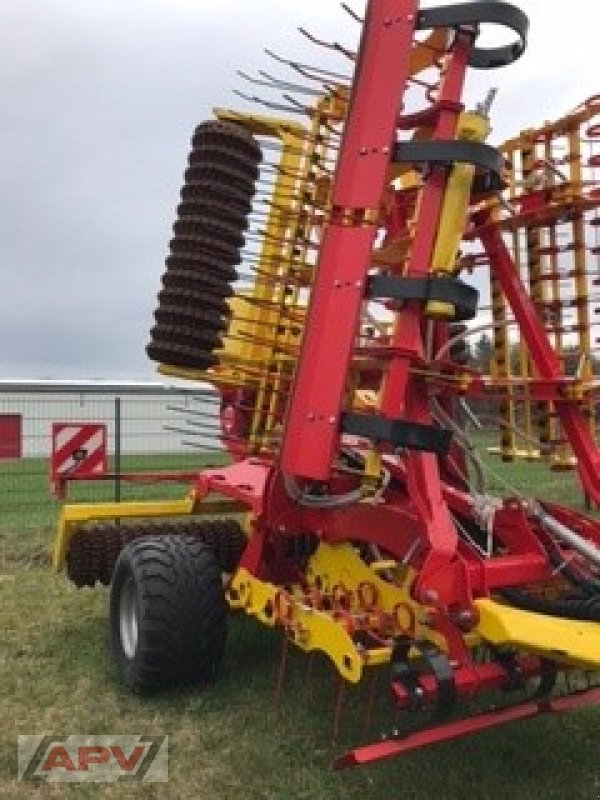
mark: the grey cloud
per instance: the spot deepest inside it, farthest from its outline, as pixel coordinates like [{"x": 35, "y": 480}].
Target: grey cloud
[{"x": 99, "y": 99}]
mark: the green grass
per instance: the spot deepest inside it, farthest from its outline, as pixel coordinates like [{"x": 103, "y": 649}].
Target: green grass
[
  {"x": 27, "y": 503},
  {"x": 232, "y": 739}
]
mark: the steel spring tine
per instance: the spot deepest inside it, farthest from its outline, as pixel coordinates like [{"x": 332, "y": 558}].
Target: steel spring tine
[
  {"x": 267, "y": 103},
  {"x": 297, "y": 104},
  {"x": 335, "y": 46},
  {"x": 352, "y": 13},
  {"x": 261, "y": 235},
  {"x": 278, "y": 83},
  {"x": 198, "y": 413},
  {"x": 330, "y": 75},
  {"x": 278, "y": 260}
]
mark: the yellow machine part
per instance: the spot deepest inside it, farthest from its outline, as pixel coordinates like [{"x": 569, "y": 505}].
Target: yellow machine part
[
  {"x": 309, "y": 628},
  {"x": 566, "y": 641},
  {"x": 339, "y": 565},
  {"x": 248, "y": 317},
  {"x": 332, "y": 568},
  {"x": 472, "y": 127},
  {"x": 73, "y": 516}
]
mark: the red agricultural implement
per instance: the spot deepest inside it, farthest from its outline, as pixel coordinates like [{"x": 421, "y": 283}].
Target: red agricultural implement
[{"x": 314, "y": 279}]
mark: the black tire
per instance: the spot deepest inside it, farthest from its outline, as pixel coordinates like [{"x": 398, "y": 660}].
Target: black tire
[{"x": 173, "y": 586}]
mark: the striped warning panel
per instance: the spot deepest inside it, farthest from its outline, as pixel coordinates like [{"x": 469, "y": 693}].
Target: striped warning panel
[{"x": 78, "y": 449}]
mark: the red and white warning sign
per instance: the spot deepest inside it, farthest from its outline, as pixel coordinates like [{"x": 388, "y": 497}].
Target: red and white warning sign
[{"x": 78, "y": 450}]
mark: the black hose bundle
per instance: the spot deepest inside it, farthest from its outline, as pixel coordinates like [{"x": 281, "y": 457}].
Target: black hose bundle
[
  {"x": 577, "y": 606},
  {"x": 216, "y": 198}
]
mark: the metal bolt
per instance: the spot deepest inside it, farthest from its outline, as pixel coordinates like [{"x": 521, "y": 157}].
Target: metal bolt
[
  {"x": 431, "y": 596},
  {"x": 363, "y": 151},
  {"x": 311, "y": 416},
  {"x": 332, "y": 420},
  {"x": 465, "y": 618},
  {"x": 358, "y": 284}
]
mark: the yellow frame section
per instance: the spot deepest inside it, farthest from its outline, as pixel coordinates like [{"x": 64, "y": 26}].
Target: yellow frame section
[
  {"x": 73, "y": 516},
  {"x": 472, "y": 127},
  {"x": 336, "y": 565},
  {"x": 566, "y": 641},
  {"x": 309, "y": 628}
]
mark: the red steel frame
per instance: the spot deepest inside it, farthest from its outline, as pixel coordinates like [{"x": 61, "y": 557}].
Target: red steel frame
[
  {"x": 449, "y": 575},
  {"x": 544, "y": 358},
  {"x": 418, "y": 504},
  {"x": 465, "y": 727},
  {"x": 311, "y": 431},
  {"x": 313, "y": 416}
]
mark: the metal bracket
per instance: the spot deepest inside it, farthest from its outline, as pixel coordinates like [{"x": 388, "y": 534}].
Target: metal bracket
[
  {"x": 474, "y": 14},
  {"x": 400, "y": 433},
  {"x": 463, "y": 297}
]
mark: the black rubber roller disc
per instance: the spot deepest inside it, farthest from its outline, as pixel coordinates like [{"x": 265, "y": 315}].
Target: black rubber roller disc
[
  {"x": 175, "y": 307},
  {"x": 215, "y": 153},
  {"x": 203, "y": 281},
  {"x": 177, "y": 313},
  {"x": 216, "y": 209},
  {"x": 195, "y": 291},
  {"x": 208, "y": 302},
  {"x": 207, "y": 191},
  {"x": 177, "y": 355},
  {"x": 209, "y": 245},
  {"x": 227, "y": 133},
  {"x": 206, "y": 225},
  {"x": 186, "y": 333},
  {"x": 208, "y": 317},
  {"x": 166, "y": 319},
  {"x": 221, "y": 173},
  {"x": 178, "y": 335},
  {"x": 201, "y": 264}
]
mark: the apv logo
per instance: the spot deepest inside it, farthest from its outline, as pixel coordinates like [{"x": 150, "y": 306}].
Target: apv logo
[{"x": 93, "y": 758}]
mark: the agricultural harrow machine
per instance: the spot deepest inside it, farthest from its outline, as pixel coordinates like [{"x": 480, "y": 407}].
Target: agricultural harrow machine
[{"x": 314, "y": 282}]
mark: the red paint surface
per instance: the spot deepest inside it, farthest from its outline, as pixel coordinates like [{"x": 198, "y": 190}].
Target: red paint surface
[{"x": 11, "y": 437}]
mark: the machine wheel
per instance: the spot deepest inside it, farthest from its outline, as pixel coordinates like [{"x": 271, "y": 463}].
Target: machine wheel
[{"x": 168, "y": 614}]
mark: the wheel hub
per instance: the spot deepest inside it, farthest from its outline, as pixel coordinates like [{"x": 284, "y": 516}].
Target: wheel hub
[{"x": 128, "y": 618}]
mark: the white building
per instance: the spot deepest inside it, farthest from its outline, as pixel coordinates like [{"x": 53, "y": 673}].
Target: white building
[{"x": 154, "y": 417}]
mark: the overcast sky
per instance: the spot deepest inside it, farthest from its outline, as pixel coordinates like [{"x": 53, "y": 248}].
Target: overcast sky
[{"x": 99, "y": 98}]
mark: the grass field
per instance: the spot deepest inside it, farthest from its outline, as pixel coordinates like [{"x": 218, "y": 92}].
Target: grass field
[
  {"x": 232, "y": 739},
  {"x": 26, "y": 501}
]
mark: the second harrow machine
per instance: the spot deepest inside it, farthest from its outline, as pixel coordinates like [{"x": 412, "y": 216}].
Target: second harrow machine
[{"x": 354, "y": 514}]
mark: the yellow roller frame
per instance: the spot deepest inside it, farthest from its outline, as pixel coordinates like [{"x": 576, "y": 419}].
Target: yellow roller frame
[
  {"x": 73, "y": 516},
  {"x": 473, "y": 127},
  {"x": 565, "y": 641},
  {"x": 311, "y": 629}
]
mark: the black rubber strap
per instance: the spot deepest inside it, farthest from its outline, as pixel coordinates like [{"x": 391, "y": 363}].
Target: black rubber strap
[
  {"x": 476, "y": 13},
  {"x": 463, "y": 297},
  {"x": 412, "y": 435},
  {"x": 488, "y": 182},
  {"x": 449, "y": 152}
]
